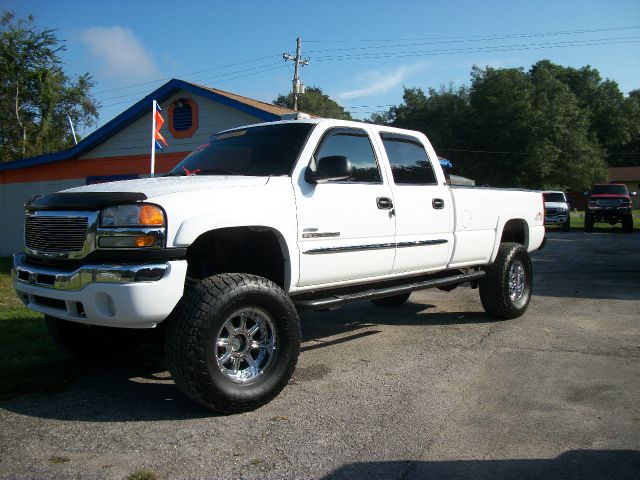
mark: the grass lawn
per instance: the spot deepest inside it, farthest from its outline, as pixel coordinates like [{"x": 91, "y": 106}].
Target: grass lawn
[
  {"x": 577, "y": 223},
  {"x": 29, "y": 361}
]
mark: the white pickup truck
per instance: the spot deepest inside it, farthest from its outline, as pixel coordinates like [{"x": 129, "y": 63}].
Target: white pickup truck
[{"x": 256, "y": 223}]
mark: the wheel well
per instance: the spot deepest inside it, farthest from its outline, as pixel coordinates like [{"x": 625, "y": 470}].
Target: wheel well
[
  {"x": 255, "y": 250},
  {"x": 515, "y": 230}
]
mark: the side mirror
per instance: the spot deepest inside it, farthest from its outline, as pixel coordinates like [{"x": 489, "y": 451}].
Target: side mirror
[
  {"x": 633, "y": 194},
  {"x": 335, "y": 167}
]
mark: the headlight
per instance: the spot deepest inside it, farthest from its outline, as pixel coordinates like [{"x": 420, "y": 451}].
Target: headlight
[
  {"x": 132, "y": 226},
  {"x": 142, "y": 215}
]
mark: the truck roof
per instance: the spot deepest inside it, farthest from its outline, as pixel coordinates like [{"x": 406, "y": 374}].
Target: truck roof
[{"x": 337, "y": 122}]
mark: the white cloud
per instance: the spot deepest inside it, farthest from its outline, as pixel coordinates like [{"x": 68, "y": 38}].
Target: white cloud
[
  {"x": 377, "y": 82},
  {"x": 120, "y": 53}
]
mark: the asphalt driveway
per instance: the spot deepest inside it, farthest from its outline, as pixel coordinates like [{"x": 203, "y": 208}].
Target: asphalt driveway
[{"x": 432, "y": 389}]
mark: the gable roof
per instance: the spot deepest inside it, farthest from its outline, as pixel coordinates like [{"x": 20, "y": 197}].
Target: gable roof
[{"x": 262, "y": 110}]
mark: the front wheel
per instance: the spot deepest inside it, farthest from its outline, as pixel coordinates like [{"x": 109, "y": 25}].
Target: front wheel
[
  {"x": 506, "y": 289},
  {"x": 627, "y": 224},
  {"x": 566, "y": 226},
  {"x": 232, "y": 342}
]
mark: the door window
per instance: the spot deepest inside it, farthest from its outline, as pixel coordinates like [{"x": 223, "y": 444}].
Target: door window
[
  {"x": 410, "y": 164},
  {"x": 356, "y": 146}
]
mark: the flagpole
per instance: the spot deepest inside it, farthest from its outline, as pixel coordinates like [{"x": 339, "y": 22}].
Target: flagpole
[{"x": 153, "y": 138}]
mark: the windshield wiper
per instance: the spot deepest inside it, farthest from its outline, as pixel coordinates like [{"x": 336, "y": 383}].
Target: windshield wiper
[{"x": 173, "y": 174}]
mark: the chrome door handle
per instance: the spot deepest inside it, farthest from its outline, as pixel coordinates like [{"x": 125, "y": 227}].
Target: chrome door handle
[
  {"x": 384, "y": 203},
  {"x": 437, "y": 203}
]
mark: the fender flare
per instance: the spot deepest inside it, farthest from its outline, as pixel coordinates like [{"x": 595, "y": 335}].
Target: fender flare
[{"x": 500, "y": 224}]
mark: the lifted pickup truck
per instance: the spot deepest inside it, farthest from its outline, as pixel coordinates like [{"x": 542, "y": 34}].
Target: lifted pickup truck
[
  {"x": 256, "y": 223},
  {"x": 609, "y": 203}
]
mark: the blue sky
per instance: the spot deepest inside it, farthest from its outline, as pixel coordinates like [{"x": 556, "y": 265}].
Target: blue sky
[{"x": 361, "y": 53}]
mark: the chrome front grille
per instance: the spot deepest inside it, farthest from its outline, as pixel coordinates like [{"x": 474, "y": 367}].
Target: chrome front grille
[{"x": 59, "y": 234}]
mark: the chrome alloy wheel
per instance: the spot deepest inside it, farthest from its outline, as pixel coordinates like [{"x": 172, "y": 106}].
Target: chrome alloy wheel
[
  {"x": 246, "y": 345},
  {"x": 517, "y": 281}
]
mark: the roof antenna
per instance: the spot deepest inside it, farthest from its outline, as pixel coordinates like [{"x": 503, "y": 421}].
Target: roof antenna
[{"x": 72, "y": 129}]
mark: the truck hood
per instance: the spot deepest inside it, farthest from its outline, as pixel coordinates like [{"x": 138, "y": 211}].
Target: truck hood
[{"x": 155, "y": 187}]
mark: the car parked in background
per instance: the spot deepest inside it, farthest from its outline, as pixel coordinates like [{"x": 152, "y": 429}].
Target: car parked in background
[
  {"x": 611, "y": 203},
  {"x": 556, "y": 209}
]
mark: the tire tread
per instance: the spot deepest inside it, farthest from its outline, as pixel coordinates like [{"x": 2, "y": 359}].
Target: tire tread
[
  {"x": 493, "y": 295},
  {"x": 187, "y": 325}
]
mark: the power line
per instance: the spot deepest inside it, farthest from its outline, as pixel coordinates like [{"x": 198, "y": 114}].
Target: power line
[
  {"x": 490, "y": 49},
  {"x": 280, "y": 66},
  {"x": 222, "y": 75},
  {"x": 481, "y": 36},
  {"x": 481, "y": 151},
  {"x": 465, "y": 40},
  {"x": 188, "y": 74}
]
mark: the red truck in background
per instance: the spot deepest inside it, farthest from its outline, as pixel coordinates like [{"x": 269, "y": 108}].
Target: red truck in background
[{"x": 609, "y": 203}]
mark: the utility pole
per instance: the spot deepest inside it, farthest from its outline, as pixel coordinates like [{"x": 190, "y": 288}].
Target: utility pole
[{"x": 298, "y": 86}]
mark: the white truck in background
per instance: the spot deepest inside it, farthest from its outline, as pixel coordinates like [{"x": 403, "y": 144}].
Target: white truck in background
[{"x": 256, "y": 223}]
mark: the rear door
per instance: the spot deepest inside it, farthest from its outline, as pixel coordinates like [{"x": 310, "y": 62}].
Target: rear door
[{"x": 422, "y": 206}]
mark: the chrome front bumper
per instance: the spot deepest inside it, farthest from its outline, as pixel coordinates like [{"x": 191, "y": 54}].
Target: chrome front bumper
[
  {"x": 81, "y": 277},
  {"x": 128, "y": 296}
]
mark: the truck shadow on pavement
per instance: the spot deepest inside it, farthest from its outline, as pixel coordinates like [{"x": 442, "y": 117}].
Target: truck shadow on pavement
[
  {"x": 135, "y": 393},
  {"x": 360, "y": 320},
  {"x": 142, "y": 390},
  {"x": 570, "y": 465}
]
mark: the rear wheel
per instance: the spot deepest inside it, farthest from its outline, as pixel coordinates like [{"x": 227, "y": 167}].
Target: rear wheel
[
  {"x": 506, "y": 289},
  {"x": 92, "y": 342},
  {"x": 394, "y": 301},
  {"x": 232, "y": 342},
  {"x": 588, "y": 222}
]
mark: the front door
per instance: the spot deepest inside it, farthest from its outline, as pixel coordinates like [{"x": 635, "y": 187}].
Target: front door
[{"x": 345, "y": 228}]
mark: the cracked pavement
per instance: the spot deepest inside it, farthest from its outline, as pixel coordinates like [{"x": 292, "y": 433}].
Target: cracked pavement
[{"x": 432, "y": 389}]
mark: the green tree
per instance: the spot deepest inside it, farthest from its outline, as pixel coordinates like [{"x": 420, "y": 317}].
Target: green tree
[
  {"x": 628, "y": 154},
  {"x": 316, "y": 102},
  {"x": 35, "y": 93},
  {"x": 549, "y": 127},
  {"x": 613, "y": 119}
]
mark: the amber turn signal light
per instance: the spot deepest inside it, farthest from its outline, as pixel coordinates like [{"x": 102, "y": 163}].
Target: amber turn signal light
[
  {"x": 150, "y": 215},
  {"x": 145, "y": 241}
]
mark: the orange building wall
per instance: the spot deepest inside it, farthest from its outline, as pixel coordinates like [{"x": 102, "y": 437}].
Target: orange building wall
[{"x": 77, "y": 169}]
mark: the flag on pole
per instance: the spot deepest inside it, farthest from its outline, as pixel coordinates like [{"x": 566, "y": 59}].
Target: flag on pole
[
  {"x": 159, "y": 122},
  {"x": 156, "y": 124}
]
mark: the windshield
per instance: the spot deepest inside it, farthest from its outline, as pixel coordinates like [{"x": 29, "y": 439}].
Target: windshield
[
  {"x": 255, "y": 151},
  {"x": 554, "y": 197},
  {"x": 610, "y": 189}
]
